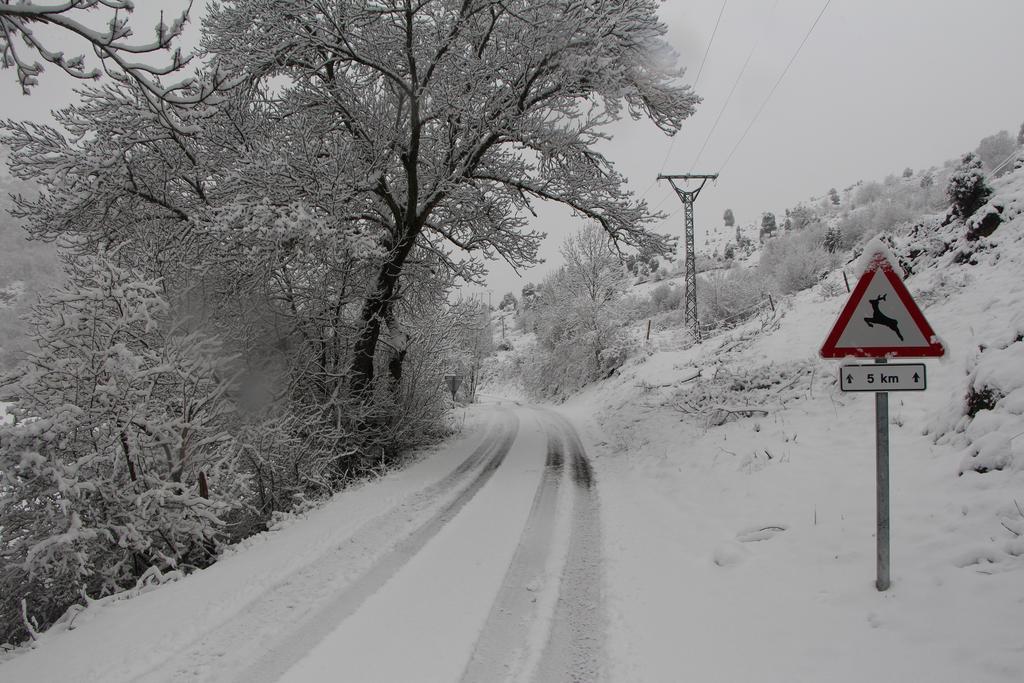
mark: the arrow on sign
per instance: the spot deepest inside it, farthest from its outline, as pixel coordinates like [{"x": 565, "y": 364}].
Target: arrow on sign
[
  {"x": 849, "y": 378},
  {"x": 917, "y": 378}
]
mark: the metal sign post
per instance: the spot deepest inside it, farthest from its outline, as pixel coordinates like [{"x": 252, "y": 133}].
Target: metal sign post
[
  {"x": 882, "y": 486},
  {"x": 881, "y": 321},
  {"x": 453, "y": 382}
]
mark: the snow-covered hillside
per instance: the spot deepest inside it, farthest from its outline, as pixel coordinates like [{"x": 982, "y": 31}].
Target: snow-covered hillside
[
  {"x": 739, "y": 503},
  {"x": 712, "y": 240}
]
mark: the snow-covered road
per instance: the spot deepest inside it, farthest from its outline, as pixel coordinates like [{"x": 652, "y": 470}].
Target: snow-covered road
[
  {"x": 504, "y": 575},
  {"x": 480, "y": 562}
]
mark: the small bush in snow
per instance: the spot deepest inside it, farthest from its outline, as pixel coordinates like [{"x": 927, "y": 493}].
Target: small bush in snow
[
  {"x": 730, "y": 296},
  {"x": 967, "y": 189},
  {"x": 666, "y": 297},
  {"x": 986, "y": 418},
  {"x": 798, "y": 261},
  {"x": 831, "y": 289}
]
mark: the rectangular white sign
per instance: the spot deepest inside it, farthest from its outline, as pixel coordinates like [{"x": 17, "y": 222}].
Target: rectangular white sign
[{"x": 883, "y": 377}]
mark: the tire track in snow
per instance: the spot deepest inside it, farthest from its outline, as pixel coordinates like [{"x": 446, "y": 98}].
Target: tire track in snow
[
  {"x": 575, "y": 647},
  {"x": 275, "y": 662},
  {"x": 503, "y": 645},
  {"x": 350, "y": 572},
  {"x": 547, "y": 622}
]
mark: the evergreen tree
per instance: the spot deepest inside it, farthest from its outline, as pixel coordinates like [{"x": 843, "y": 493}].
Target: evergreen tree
[
  {"x": 832, "y": 240},
  {"x": 768, "y": 226},
  {"x": 967, "y": 189},
  {"x": 907, "y": 172},
  {"x": 833, "y": 196},
  {"x": 927, "y": 180},
  {"x": 729, "y": 219},
  {"x": 529, "y": 292}
]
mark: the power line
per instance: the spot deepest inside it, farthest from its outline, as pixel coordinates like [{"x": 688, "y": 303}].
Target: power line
[
  {"x": 722, "y": 110},
  {"x": 776, "y": 86},
  {"x": 707, "y": 50},
  {"x": 735, "y": 84},
  {"x": 700, "y": 70},
  {"x": 1003, "y": 163}
]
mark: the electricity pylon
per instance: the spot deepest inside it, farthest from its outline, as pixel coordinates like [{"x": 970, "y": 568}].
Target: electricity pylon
[{"x": 688, "y": 197}]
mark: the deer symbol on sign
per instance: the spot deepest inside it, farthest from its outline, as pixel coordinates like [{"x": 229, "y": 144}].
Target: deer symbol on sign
[{"x": 882, "y": 319}]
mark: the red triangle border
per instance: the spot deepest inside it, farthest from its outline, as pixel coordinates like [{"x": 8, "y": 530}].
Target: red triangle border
[{"x": 830, "y": 348}]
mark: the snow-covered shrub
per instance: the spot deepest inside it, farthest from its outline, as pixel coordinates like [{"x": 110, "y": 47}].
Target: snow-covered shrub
[
  {"x": 719, "y": 396},
  {"x": 831, "y": 289},
  {"x": 730, "y": 296},
  {"x": 120, "y": 458},
  {"x": 797, "y": 261},
  {"x": 666, "y": 297},
  {"x": 989, "y": 414},
  {"x": 967, "y": 189},
  {"x": 798, "y": 272}
]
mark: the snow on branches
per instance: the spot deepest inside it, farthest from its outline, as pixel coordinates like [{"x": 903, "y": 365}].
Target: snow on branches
[
  {"x": 116, "y": 52},
  {"x": 452, "y": 118},
  {"x": 119, "y": 457}
]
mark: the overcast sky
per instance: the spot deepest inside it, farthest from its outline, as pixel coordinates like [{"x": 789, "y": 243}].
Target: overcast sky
[{"x": 880, "y": 85}]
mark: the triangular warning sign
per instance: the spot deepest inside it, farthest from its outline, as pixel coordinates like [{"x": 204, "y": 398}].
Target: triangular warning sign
[{"x": 881, "y": 320}]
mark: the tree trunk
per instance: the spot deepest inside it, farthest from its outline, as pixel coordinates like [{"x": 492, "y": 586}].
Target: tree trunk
[
  {"x": 375, "y": 310},
  {"x": 395, "y": 366}
]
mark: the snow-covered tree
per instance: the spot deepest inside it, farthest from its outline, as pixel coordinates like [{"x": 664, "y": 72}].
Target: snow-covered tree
[
  {"x": 593, "y": 272},
  {"x": 121, "y": 457},
  {"x": 455, "y": 116},
  {"x": 768, "y": 226},
  {"x": 275, "y": 269},
  {"x": 529, "y": 292},
  {"x": 967, "y": 189},
  {"x": 833, "y": 196},
  {"x": 579, "y": 316},
  {"x": 508, "y": 302},
  {"x": 31, "y": 30},
  {"x": 729, "y": 219},
  {"x": 800, "y": 217},
  {"x": 833, "y": 238},
  {"x": 476, "y": 342},
  {"x": 20, "y": 43}
]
